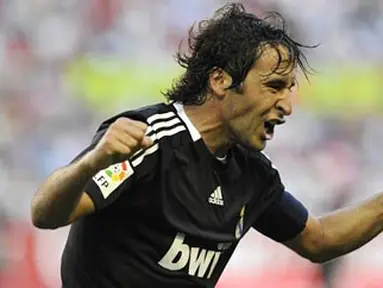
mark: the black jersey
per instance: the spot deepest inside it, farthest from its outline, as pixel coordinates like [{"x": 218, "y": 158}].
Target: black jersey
[{"x": 172, "y": 215}]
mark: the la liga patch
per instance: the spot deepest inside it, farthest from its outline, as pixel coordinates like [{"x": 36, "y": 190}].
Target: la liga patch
[{"x": 109, "y": 179}]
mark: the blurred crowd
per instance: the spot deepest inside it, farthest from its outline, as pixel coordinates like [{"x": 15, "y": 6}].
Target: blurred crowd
[{"x": 66, "y": 65}]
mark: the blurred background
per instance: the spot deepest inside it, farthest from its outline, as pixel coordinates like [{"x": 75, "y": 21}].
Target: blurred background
[{"x": 67, "y": 65}]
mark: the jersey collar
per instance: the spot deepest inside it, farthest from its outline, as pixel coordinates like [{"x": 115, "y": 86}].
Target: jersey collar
[
  {"x": 192, "y": 129},
  {"x": 196, "y": 136}
]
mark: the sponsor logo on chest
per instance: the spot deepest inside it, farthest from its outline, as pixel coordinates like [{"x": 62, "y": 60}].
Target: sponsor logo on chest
[{"x": 198, "y": 261}]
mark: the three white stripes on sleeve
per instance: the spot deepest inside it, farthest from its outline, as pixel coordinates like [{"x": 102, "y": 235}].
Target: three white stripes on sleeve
[{"x": 167, "y": 120}]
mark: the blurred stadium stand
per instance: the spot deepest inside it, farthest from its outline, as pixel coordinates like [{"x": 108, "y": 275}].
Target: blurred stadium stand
[{"x": 66, "y": 65}]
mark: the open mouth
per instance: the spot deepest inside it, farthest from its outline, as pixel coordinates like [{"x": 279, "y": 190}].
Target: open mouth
[{"x": 269, "y": 127}]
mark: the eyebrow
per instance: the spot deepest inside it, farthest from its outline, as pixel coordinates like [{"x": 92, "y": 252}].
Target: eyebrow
[{"x": 279, "y": 82}]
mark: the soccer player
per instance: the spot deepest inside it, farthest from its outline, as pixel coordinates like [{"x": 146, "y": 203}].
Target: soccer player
[{"x": 163, "y": 194}]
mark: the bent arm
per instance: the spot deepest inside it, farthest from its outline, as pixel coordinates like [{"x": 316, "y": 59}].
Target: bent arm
[
  {"x": 340, "y": 232},
  {"x": 60, "y": 200}
]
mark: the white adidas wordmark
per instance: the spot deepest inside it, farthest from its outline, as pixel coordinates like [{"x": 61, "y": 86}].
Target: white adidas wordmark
[{"x": 216, "y": 197}]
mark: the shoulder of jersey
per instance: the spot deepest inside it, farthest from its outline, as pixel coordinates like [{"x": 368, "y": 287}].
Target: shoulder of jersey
[
  {"x": 162, "y": 120},
  {"x": 257, "y": 157},
  {"x": 139, "y": 114}
]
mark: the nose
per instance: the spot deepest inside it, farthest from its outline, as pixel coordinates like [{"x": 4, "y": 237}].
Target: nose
[{"x": 285, "y": 105}]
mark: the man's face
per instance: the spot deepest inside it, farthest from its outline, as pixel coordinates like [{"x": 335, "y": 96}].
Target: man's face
[{"x": 264, "y": 100}]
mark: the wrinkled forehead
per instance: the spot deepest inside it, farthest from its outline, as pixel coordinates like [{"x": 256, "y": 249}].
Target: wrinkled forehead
[{"x": 275, "y": 59}]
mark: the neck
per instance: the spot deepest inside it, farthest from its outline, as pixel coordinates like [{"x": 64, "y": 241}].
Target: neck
[{"x": 207, "y": 120}]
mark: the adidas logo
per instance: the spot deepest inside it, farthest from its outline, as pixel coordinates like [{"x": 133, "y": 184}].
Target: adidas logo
[{"x": 216, "y": 197}]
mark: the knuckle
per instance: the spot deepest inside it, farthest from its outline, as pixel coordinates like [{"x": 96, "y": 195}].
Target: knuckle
[
  {"x": 143, "y": 126},
  {"x": 133, "y": 143},
  {"x": 112, "y": 129},
  {"x": 120, "y": 122},
  {"x": 109, "y": 137},
  {"x": 107, "y": 148},
  {"x": 141, "y": 134},
  {"x": 107, "y": 143}
]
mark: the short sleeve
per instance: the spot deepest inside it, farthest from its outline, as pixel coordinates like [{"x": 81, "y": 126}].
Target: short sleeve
[
  {"x": 285, "y": 219},
  {"x": 283, "y": 216},
  {"x": 107, "y": 185}
]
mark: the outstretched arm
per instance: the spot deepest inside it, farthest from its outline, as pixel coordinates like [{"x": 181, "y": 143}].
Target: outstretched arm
[{"x": 339, "y": 232}]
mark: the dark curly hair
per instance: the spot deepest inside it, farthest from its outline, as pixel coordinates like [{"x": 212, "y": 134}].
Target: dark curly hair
[{"x": 230, "y": 40}]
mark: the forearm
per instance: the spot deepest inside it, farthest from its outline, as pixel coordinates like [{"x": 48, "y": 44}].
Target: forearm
[
  {"x": 348, "y": 229},
  {"x": 58, "y": 196}
]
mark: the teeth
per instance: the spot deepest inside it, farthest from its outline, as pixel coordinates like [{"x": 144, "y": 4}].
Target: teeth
[
  {"x": 275, "y": 122},
  {"x": 269, "y": 137}
]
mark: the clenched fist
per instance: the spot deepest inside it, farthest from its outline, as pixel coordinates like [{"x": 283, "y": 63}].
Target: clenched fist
[{"x": 122, "y": 139}]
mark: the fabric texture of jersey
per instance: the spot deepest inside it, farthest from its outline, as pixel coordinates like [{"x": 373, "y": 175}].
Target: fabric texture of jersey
[{"x": 172, "y": 214}]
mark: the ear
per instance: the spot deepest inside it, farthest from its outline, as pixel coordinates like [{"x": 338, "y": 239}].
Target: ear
[{"x": 219, "y": 81}]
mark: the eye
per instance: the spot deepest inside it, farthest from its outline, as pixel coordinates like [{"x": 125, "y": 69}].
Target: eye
[{"x": 277, "y": 85}]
